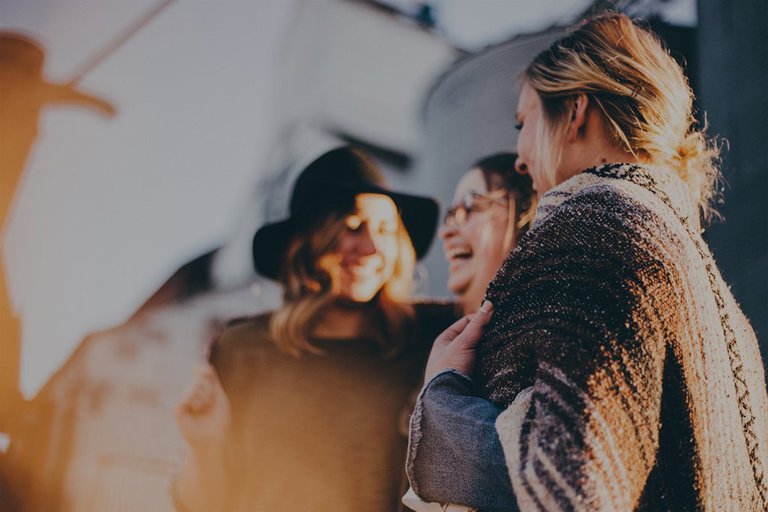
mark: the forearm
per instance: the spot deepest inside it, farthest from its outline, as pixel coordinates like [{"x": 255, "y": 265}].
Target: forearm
[
  {"x": 454, "y": 454},
  {"x": 582, "y": 445},
  {"x": 201, "y": 483}
]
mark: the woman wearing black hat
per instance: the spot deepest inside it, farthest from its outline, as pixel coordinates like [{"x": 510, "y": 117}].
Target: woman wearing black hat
[{"x": 301, "y": 409}]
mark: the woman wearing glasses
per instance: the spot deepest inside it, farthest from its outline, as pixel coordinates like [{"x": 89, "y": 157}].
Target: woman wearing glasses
[{"x": 492, "y": 208}]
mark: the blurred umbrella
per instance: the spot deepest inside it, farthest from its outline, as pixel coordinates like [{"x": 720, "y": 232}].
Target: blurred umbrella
[
  {"x": 23, "y": 94},
  {"x": 106, "y": 212}
]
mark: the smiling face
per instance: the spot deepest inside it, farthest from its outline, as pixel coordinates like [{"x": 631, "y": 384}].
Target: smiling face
[
  {"x": 476, "y": 248},
  {"x": 367, "y": 250}
]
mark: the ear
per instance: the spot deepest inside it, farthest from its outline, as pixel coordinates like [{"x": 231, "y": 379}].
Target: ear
[{"x": 578, "y": 119}]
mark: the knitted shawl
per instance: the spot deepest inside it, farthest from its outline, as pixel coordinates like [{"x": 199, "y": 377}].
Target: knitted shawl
[{"x": 630, "y": 378}]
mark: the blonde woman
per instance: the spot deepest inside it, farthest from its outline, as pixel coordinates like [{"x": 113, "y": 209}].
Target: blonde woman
[
  {"x": 615, "y": 364},
  {"x": 302, "y": 409}
]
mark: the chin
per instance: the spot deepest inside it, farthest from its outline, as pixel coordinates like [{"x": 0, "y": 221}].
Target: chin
[
  {"x": 362, "y": 293},
  {"x": 458, "y": 285},
  {"x": 467, "y": 306},
  {"x": 456, "y": 290}
]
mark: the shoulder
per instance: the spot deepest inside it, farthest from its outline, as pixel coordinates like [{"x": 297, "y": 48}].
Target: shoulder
[
  {"x": 244, "y": 331},
  {"x": 603, "y": 221},
  {"x": 430, "y": 307},
  {"x": 243, "y": 326},
  {"x": 434, "y": 315},
  {"x": 597, "y": 205},
  {"x": 622, "y": 198},
  {"x": 241, "y": 338},
  {"x": 598, "y": 236}
]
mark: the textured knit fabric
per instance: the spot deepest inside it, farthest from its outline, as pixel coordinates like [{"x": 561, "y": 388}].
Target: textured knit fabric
[
  {"x": 630, "y": 377},
  {"x": 323, "y": 432}
]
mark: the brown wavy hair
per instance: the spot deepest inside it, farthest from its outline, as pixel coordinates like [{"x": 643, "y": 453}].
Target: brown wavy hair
[{"x": 642, "y": 93}]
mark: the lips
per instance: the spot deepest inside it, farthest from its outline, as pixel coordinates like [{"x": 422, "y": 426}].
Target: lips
[
  {"x": 459, "y": 252},
  {"x": 362, "y": 271}
]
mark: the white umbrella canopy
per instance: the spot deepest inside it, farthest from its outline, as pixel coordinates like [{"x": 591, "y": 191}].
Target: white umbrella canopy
[{"x": 109, "y": 208}]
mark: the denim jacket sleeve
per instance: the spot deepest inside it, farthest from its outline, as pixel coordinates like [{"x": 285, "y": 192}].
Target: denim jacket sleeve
[{"x": 454, "y": 452}]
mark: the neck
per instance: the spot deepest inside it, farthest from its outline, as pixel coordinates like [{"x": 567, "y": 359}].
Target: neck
[
  {"x": 593, "y": 147},
  {"x": 341, "y": 320},
  {"x": 470, "y": 304},
  {"x": 613, "y": 155}
]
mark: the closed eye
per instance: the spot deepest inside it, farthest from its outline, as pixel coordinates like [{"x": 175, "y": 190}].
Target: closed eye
[
  {"x": 353, "y": 222},
  {"x": 388, "y": 229}
]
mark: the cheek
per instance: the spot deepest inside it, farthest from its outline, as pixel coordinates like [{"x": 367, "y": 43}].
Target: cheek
[
  {"x": 490, "y": 241},
  {"x": 329, "y": 263},
  {"x": 390, "y": 259},
  {"x": 388, "y": 250},
  {"x": 469, "y": 234},
  {"x": 525, "y": 143},
  {"x": 344, "y": 248}
]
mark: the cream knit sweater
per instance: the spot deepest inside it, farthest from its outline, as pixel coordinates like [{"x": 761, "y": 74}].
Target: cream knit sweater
[{"x": 630, "y": 378}]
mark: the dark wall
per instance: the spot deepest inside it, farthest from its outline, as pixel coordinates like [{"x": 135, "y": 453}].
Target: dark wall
[{"x": 733, "y": 88}]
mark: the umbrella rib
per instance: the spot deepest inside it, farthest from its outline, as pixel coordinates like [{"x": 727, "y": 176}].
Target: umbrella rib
[{"x": 101, "y": 55}]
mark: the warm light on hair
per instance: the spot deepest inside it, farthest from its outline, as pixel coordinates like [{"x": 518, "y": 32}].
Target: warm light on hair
[
  {"x": 499, "y": 174},
  {"x": 311, "y": 284},
  {"x": 641, "y": 92}
]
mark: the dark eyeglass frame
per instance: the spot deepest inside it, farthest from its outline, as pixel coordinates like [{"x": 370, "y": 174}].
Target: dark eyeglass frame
[{"x": 458, "y": 215}]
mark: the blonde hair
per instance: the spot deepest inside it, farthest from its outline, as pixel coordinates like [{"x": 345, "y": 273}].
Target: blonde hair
[
  {"x": 499, "y": 173},
  {"x": 311, "y": 284},
  {"x": 641, "y": 92}
]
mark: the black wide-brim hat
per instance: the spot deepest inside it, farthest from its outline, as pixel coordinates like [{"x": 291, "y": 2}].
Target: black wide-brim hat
[{"x": 330, "y": 183}]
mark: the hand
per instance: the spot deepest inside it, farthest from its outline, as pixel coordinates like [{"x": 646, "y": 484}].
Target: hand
[
  {"x": 204, "y": 414},
  {"x": 455, "y": 347}
]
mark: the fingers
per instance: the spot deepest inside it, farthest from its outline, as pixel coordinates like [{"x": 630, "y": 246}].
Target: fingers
[
  {"x": 455, "y": 347},
  {"x": 470, "y": 335},
  {"x": 202, "y": 393},
  {"x": 454, "y": 330}
]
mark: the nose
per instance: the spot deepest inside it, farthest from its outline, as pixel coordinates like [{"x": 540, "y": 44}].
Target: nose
[
  {"x": 366, "y": 245},
  {"x": 520, "y": 166},
  {"x": 447, "y": 231}
]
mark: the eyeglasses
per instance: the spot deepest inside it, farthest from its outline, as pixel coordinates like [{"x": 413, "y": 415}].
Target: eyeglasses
[{"x": 459, "y": 213}]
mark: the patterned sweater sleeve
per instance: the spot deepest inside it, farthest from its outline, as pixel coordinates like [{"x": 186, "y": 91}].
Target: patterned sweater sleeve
[{"x": 575, "y": 355}]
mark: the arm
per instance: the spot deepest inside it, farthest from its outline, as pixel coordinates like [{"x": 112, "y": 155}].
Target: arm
[
  {"x": 454, "y": 453},
  {"x": 576, "y": 446},
  {"x": 199, "y": 485},
  {"x": 584, "y": 435},
  {"x": 203, "y": 416}
]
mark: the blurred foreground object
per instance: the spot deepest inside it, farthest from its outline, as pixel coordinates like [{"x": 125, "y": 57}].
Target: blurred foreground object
[{"x": 23, "y": 93}]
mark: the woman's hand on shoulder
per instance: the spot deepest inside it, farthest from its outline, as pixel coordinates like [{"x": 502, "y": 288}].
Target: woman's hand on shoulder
[
  {"x": 455, "y": 347},
  {"x": 204, "y": 413}
]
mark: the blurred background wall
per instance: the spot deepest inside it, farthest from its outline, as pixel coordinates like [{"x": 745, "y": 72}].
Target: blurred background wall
[{"x": 733, "y": 76}]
